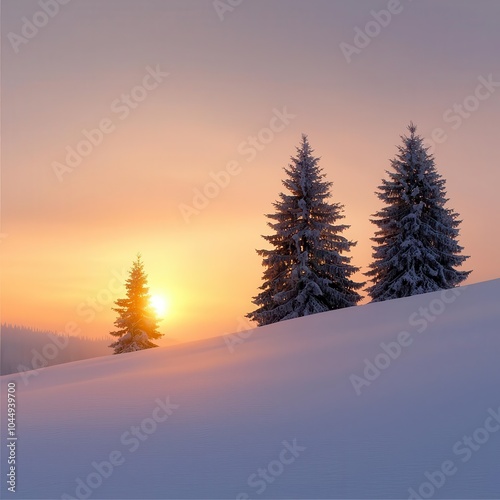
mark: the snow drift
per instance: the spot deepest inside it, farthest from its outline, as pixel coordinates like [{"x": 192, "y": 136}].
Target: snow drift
[{"x": 398, "y": 399}]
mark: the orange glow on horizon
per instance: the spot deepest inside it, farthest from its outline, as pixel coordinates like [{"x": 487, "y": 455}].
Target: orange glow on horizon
[{"x": 70, "y": 241}]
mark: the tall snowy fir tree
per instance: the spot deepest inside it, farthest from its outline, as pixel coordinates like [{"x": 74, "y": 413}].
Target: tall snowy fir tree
[
  {"x": 307, "y": 271},
  {"x": 416, "y": 249},
  {"x": 137, "y": 324}
]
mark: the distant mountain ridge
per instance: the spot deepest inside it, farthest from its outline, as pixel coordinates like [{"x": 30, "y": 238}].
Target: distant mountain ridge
[{"x": 24, "y": 348}]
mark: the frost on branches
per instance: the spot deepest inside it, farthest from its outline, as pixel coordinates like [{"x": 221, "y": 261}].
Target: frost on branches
[
  {"x": 307, "y": 271},
  {"x": 416, "y": 249},
  {"x": 137, "y": 324}
]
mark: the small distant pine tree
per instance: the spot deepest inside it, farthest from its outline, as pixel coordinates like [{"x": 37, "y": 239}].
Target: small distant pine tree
[
  {"x": 416, "y": 249},
  {"x": 307, "y": 271},
  {"x": 137, "y": 324}
]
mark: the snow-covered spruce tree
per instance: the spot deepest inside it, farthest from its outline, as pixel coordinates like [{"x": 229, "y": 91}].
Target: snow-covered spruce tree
[
  {"x": 416, "y": 249},
  {"x": 137, "y": 324},
  {"x": 306, "y": 271}
]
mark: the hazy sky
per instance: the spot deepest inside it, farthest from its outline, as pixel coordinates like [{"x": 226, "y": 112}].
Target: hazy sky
[{"x": 293, "y": 65}]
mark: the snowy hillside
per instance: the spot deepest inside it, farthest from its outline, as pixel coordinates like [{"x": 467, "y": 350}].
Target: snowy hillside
[{"x": 399, "y": 399}]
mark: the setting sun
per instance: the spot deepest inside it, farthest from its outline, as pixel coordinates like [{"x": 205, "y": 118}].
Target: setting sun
[{"x": 160, "y": 305}]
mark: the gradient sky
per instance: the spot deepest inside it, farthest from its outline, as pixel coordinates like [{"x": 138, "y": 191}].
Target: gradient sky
[{"x": 66, "y": 240}]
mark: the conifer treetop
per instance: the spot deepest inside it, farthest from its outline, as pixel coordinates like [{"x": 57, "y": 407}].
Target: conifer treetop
[
  {"x": 416, "y": 249},
  {"x": 307, "y": 270},
  {"x": 137, "y": 324}
]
